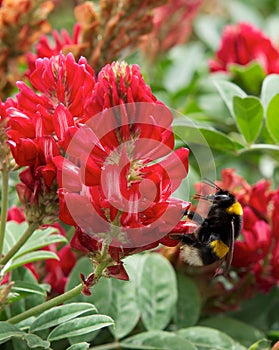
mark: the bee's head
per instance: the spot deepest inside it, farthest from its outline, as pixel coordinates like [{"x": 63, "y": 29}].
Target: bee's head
[{"x": 223, "y": 199}]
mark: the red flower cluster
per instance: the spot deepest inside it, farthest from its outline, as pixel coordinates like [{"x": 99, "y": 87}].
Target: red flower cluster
[
  {"x": 57, "y": 271},
  {"x": 243, "y": 43},
  {"x": 37, "y": 124},
  {"x": 123, "y": 192},
  {"x": 257, "y": 252},
  {"x": 62, "y": 42},
  {"x": 103, "y": 138},
  {"x": 5, "y": 153},
  {"x": 172, "y": 25}
]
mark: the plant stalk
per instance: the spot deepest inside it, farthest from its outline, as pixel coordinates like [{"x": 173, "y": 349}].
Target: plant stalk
[{"x": 4, "y": 207}]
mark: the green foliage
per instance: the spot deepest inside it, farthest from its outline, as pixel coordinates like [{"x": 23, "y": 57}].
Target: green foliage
[
  {"x": 238, "y": 330},
  {"x": 29, "y": 251},
  {"x": 205, "y": 338},
  {"x": 157, "y": 340},
  {"x": 248, "y": 113}
]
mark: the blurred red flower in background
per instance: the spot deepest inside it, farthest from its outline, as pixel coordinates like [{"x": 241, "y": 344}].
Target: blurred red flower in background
[
  {"x": 256, "y": 253},
  {"x": 62, "y": 42},
  {"x": 57, "y": 271},
  {"x": 243, "y": 43},
  {"x": 172, "y": 25}
]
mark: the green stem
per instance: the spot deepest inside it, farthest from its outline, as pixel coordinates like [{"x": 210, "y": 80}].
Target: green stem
[
  {"x": 260, "y": 147},
  {"x": 4, "y": 207},
  {"x": 30, "y": 229},
  {"x": 60, "y": 299}
]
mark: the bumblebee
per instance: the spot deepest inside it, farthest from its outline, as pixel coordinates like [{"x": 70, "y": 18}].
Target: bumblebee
[{"x": 215, "y": 236}]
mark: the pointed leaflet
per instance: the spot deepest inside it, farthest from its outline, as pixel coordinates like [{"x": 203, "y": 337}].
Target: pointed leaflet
[
  {"x": 79, "y": 346},
  {"x": 248, "y": 113},
  {"x": 80, "y": 326},
  {"x": 272, "y": 118},
  {"x": 31, "y": 257},
  {"x": 270, "y": 88},
  {"x": 227, "y": 91},
  {"x": 60, "y": 314}
]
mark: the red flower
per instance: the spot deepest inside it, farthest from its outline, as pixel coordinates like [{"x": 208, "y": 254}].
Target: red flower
[
  {"x": 16, "y": 214},
  {"x": 119, "y": 83},
  {"x": 62, "y": 42},
  {"x": 111, "y": 145},
  {"x": 112, "y": 187},
  {"x": 242, "y": 44},
  {"x": 172, "y": 25},
  {"x": 38, "y": 122},
  {"x": 127, "y": 189}
]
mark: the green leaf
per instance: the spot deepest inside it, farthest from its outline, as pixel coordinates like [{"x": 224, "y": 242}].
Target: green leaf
[
  {"x": 31, "y": 257},
  {"x": 22, "y": 274},
  {"x": 79, "y": 346},
  {"x": 38, "y": 240},
  {"x": 249, "y": 116},
  {"x": 270, "y": 88},
  {"x": 14, "y": 231},
  {"x": 7, "y": 331},
  {"x": 60, "y": 314},
  {"x": 124, "y": 308},
  {"x": 101, "y": 293},
  {"x": 262, "y": 344},
  {"x": 208, "y": 30},
  {"x": 197, "y": 134},
  {"x": 242, "y": 11},
  {"x": 250, "y": 76},
  {"x": 238, "y": 330},
  {"x": 260, "y": 311},
  {"x": 43, "y": 242},
  {"x": 157, "y": 340},
  {"x": 33, "y": 341},
  {"x": 189, "y": 302},
  {"x": 272, "y": 118},
  {"x": 80, "y": 326},
  {"x": 207, "y": 338},
  {"x": 227, "y": 91},
  {"x": 273, "y": 334},
  {"x": 28, "y": 288},
  {"x": 157, "y": 293},
  {"x": 181, "y": 71}
]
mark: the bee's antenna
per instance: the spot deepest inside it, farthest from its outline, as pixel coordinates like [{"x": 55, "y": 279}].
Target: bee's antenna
[{"x": 211, "y": 183}]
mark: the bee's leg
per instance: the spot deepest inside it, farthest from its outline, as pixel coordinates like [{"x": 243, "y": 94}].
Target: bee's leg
[{"x": 192, "y": 215}]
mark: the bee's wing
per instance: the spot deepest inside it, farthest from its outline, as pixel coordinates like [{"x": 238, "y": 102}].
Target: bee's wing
[{"x": 229, "y": 256}]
